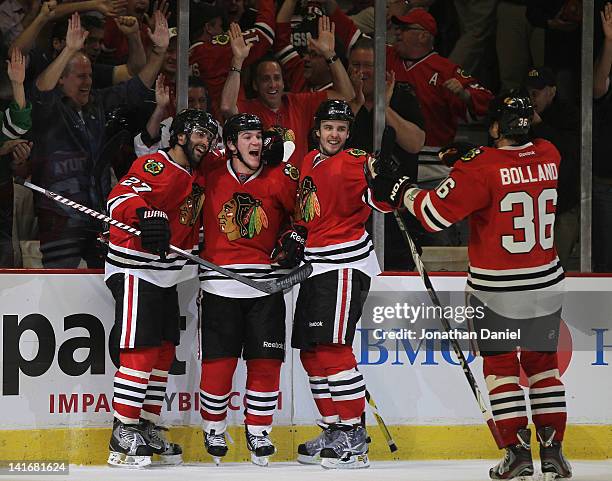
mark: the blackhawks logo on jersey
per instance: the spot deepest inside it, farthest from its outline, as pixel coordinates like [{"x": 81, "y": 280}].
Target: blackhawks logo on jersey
[
  {"x": 153, "y": 167},
  {"x": 470, "y": 154},
  {"x": 191, "y": 207},
  {"x": 292, "y": 172},
  {"x": 356, "y": 152},
  {"x": 221, "y": 39},
  {"x": 307, "y": 205},
  {"x": 242, "y": 216}
]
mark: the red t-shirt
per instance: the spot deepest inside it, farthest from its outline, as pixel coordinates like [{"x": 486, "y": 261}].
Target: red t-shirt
[{"x": 296, "y": 113}]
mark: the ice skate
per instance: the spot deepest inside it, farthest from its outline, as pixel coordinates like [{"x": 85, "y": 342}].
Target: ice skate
[
  {"x": 128, "y": 448},
  {"x": 310, "y": 451},
  {"x": 517, "y": 464},
  {"x": 554, "y": 464},
  {"x": 169, "y": 453},
  {"x": 260, "y": 445},
  {"x": 216, "y": 445},
  {"x": 349, "y": 449}
]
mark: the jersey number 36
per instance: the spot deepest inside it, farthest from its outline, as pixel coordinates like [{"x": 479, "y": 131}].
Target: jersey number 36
[{"x": 540, "y": 232}]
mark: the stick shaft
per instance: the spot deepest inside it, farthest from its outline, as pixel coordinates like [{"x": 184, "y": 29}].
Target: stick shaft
[
  {"x": 261, "y": 286},
  {"x": 445, "y": 324}
]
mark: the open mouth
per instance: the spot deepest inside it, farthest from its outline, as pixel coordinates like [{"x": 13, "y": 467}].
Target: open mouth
[
  {"x": 272, "y": 92},
  {"x": 254, "y": 153}
]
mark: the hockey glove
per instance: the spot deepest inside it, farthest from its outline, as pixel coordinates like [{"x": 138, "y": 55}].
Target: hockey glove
[
  {"x": 289, "y": 250},
  {"x": 154, "y": 231},
  {"x": 278, "y": 146},
  {"x": 387, "y": 182},
  {"x": 453, "y": 152}
]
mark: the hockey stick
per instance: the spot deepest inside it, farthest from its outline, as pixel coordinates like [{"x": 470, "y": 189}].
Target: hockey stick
[
  {"x": 269, "y": 287},
  {"x": 381, "y": 422},
  {"x": 445, "y": 324}
]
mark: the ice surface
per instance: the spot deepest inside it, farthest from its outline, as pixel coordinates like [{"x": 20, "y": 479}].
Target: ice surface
[{"x": 379, "y": 471}]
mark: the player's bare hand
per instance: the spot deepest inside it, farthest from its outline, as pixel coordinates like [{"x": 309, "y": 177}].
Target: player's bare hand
[
  {"x": 240, "y": 49},
  {"x": 606, "y": 21},
  {"x": 76, "y": 35},
  {"x": 162, "y": 92},
  {"x": 325, "y": 43},
  {"x": 160, "y": 36},
  {"x": 16, "y": 67},
  {"x": 455, "y": 87}
]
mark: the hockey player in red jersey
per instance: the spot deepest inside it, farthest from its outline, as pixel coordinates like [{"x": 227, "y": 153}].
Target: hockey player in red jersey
[
  {"x": 334, "y": 203},
  {"x": 509, "y": 195},
  {"x": 162, "y": 194},
  {"x": 249, "y": 200}
]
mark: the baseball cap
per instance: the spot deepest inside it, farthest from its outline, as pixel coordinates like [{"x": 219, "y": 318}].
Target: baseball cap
[
  {"x": 418, "y": 16},
  {"x": 538, "y": 78}
]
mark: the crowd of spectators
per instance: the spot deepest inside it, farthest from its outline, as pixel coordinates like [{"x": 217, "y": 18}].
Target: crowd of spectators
[{"x": 90, "y": 84}]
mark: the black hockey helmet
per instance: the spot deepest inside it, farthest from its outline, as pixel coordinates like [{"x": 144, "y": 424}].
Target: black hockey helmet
[
  {"x": 239, "y": 123},
  {"x": 334, "y": 110},
  {"x": 188, "y": 120},
  {"x": 513, "y": 112}
]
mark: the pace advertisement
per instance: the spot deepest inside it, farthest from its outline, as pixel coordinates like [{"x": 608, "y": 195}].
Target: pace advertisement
[{"x": 57, "y": 367}]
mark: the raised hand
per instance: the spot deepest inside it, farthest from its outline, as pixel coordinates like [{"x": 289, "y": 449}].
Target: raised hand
[
  {"x": 16, "y": 67},
  {"x": 390, "y": 86},
  {"x": 75, "y": 36},
  {"x": 606, "y": 21},
  {"x": 112, "y": 8},
  {"x": 160, "y": 36},
  {"x": 162, "y": 93},
  {"x": 325, "y": 43},
  {"x": 357, "y": 82},
  {"x": 127, "y": 25},
  {"x": 240, "y": 49},
  {"x": 47, "y": 11}
]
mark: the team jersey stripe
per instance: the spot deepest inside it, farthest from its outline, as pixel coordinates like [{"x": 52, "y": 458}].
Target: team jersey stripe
[
  {"x": 266, "y": 31},
  {"x": 505, "y": 287},
  {"x": 513, "y": 272},
  {"x": 113, "y": 203}
]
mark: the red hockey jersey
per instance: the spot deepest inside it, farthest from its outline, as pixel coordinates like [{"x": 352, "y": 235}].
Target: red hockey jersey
[
  {"x": 510, "y": 196},
  {"x": 334, "y": 203},
  {"x": 156, "y": 182},
  {"x": 242, "y": 222},
  {"x": 211, "y": 60},
  {"x": 441, "y": 109}
]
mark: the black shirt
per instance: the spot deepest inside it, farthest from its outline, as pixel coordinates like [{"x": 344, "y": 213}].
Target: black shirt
[{"x": 561, "y": 126}]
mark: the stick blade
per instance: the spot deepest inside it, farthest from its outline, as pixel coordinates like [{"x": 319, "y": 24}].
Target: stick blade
[{"x": 294, "y": 277}]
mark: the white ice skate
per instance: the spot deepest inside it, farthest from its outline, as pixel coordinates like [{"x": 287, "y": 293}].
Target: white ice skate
[
  {"x": 259, "y": 443},
  {"x": 128, "y": 448},
  {"x": 348, "y": 451}
]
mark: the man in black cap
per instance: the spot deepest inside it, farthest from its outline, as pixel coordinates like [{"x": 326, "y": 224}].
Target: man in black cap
[{"x": 558, "y": 121}]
